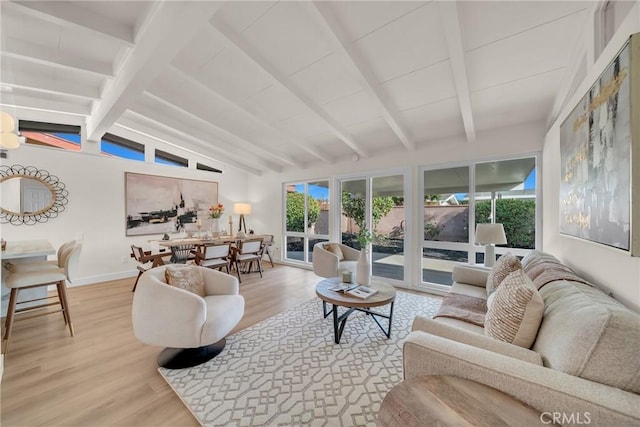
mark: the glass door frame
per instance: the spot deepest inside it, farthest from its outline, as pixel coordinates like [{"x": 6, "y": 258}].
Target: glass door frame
[
  {"x": 305, "y": 236},
  {"x": 407, "y": 178}
]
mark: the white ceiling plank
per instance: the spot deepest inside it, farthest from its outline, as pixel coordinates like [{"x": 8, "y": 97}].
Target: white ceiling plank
[
  {"x": 155, "y": 48},
  {"x": 48, "y": 85},
  {"x": 66, "y": 14},
  {"x": 187, "y": 107},
  {"x": 13, "y": 48},
  {"x": 133, "y": 121},
  {"x": 237, "y": 42},
  {"x": 451, "y": 25},
  {"x": 224, "y": 100},
  {"x": 41, "y": 104},
  {"x": 341, "y": 44},
  {"x": 172, "y": 118}
]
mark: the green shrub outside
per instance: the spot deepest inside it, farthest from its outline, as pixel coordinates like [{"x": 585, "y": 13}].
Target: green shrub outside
[
  {"x": 518, "y": 216},
  {"x": 295, "y": 212}
]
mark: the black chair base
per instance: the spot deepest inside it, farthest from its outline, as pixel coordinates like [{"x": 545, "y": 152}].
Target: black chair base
[{"x": 180, "y": 358}]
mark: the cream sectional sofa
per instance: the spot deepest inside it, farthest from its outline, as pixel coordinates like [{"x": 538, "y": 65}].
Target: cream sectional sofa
[{"x": 584, "y": 364}]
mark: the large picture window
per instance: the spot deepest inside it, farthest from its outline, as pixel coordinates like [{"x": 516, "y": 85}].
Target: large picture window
[{"x": 456, "y": 199}]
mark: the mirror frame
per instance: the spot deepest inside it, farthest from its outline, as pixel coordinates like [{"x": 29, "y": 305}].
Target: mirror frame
[{"x": 58, "y": 195}]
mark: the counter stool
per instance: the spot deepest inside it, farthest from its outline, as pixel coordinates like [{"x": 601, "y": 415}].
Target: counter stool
[{"x": 43, "y": 277}]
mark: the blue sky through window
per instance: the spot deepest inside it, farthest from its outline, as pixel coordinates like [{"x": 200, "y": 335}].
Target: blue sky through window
[{"x": 315, "y": 191}]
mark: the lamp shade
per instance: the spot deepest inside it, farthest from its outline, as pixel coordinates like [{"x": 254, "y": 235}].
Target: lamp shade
[
  {"x": 242, "y": 208},
  {"x": 9, "y": 140},
  {"x": 490, "y": 234},
  {"x": 7, "y": 123}
]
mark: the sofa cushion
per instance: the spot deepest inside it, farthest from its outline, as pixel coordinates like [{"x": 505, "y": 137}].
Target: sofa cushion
[
  {"x": 586, "y": 333},
  {"x": 335, "y": 249},
  {"x": 505, "y": 265},
  {"x": 187, "y": 277},
  {"x": 515, "y": 311}
]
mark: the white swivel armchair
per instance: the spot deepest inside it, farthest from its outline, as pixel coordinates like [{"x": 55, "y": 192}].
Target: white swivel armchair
[
  {"x": 329, "y": 264},
  {"x": 192, "y": 328}
]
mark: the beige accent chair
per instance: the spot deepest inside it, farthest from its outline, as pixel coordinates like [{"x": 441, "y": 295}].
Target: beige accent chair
[
  {"x": 327, "y": 264},
  {"x": 192, "y": 328},
  {"x": 37, "y": 276}
]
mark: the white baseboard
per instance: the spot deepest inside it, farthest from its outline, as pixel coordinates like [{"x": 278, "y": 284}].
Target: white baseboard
[{"x": 92, "y": 280}]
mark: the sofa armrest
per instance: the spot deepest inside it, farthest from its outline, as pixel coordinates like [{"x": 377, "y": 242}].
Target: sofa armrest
[
  {"x": 545, "y": 389},
  {"x": 219, "y": 283},
  {"x": 443, "y": 330},
  {"x": 325, "y": 263},
  {"x": 471, "y": 275}
]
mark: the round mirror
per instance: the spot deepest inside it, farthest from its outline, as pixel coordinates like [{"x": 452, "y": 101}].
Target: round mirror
[{"x": 29, "y": 195}]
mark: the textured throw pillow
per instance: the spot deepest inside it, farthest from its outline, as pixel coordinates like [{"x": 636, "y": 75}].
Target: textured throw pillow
[
  {"x": 335, "y": 249},
  {"x": 504, "y": 266},
  {"x": 187, "y": 277},
  {"x": 515, "y": 311}
]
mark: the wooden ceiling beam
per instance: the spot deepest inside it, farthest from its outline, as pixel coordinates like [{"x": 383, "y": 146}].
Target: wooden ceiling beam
[
  {"x": 241, "y": 109},
  {"x": 235, "y": 41},
  {"x": 186, "y": 108},
  {"x": 155, "y": 48},
  {"x": 358, "y": 65},
  {"x": 451, "y": 24},
  {"x": 133, "y": 121}
]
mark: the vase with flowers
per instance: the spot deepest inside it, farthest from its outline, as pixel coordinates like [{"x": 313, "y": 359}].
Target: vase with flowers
[
  {"x": 215, "y": 212},
  {"x": 363, "y": 266}
]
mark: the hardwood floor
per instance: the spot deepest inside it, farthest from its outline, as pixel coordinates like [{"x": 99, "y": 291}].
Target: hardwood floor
[{"x": 103, "y": 375}]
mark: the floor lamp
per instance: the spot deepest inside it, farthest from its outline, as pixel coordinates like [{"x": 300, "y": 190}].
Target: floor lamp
[
  {"x": 490, "y": 235},
  {"x": 242, "y": 209}
]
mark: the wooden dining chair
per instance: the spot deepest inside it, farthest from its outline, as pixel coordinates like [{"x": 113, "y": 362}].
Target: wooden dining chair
[
  {"x": 267, "y": 241},
  {"x": 181, "y": 254},
  {"x": 214, "y": 256},
  {"x": 146, "y": 260},
  {"x": 248, "y": 252}
]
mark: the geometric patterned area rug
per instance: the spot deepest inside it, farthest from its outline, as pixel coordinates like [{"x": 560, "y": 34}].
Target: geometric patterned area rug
[{"x": 287, "y": 371}]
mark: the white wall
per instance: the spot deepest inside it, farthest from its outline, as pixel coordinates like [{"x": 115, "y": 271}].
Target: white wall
[
  {"x": 609, "y": 268},
  {"x": 96, "y": 208},
  {"x": 265, "y": 192}
]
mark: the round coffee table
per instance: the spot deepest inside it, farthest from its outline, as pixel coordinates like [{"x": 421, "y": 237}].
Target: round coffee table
[{"x": 386, "y": 295}]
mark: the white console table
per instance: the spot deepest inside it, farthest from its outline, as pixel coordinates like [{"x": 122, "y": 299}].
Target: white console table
[{"x": 20, "y": 251}]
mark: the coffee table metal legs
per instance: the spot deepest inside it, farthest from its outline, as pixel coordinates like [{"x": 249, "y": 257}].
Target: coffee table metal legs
[{"x": 340, "y": 320}]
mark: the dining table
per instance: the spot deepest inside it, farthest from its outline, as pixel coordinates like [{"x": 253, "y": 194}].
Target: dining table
[{"x": 204, "y": 241}]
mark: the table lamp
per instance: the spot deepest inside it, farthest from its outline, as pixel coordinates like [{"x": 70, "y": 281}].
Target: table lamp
[
  {"x": 490, "y": 235},
  {"x": 242, "y": 209}
]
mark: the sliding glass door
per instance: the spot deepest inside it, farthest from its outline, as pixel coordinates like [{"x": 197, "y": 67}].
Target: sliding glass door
[
  {"x": 376, "y": 203},
  {"x": 446, "y": 223},
  {"x": 306, "y": 218}
]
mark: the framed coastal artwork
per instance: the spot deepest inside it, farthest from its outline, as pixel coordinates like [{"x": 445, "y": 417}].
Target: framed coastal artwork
[
  {"x": 159, "y": 204},
  {"x": 599, "y": 152}
]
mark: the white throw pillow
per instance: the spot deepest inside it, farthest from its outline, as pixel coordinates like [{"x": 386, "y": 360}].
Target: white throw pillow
[{"x": 515, "y": 311}]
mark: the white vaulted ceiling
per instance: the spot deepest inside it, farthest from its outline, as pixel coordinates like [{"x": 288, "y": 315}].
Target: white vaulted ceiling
[{"x": 272, "y": 85}]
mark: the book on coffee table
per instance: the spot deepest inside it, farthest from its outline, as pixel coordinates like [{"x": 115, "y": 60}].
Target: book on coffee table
[
  {"x": 363, "y": 292},
  {"x": 343, "y": 287}
]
